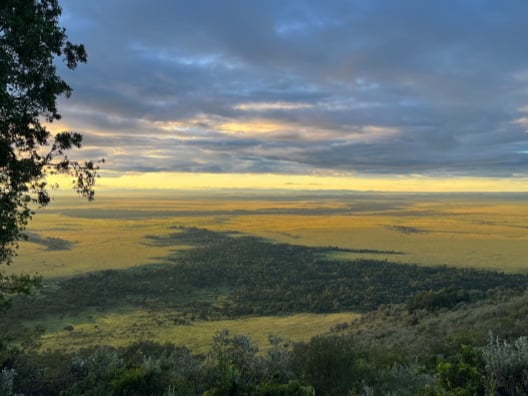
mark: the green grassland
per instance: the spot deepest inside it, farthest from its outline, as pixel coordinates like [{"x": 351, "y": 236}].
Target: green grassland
[
  {"x": 180, "y": 274},
  {"x": 115, "y": 269},
  {"x": 479, "y": 231},
  {"x": 382, "y": 280},
  {"x": 163, "y": 326}
]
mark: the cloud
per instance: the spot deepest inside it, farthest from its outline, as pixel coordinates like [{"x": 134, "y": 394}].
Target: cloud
[
  {"x": 303, "y": 86},
  {"x": 267, "y": 106}
]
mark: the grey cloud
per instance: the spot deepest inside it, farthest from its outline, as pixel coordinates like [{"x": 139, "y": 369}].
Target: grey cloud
[{"x": 445, "y": 75}]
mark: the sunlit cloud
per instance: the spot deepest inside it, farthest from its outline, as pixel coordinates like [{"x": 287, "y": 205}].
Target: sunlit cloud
[
  {"x": 347, "y": 104},
  {"x": 523, "y": 121},
  {"x": 263, "y": 106},
  {"x": 373, "y": 132},
  {"x": 251, "y": 126}
]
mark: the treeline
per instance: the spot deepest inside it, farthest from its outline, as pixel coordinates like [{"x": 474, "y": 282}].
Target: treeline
[
  {"x": 229, "y": 275},
  {"x": 332, "y": 365}
]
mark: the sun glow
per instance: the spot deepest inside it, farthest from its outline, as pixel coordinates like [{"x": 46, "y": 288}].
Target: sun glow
[
  {"x": 254, "y": 126},
  {"x": 215, "y": 181}
]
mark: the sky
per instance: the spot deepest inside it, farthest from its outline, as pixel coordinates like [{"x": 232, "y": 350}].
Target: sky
[{"x": 331, "y": 93}]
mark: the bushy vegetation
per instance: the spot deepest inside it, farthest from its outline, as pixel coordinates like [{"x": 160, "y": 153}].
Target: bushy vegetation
[
  {"x": 229, "y": 275},
  {"x": 507, "y": 365},
  {"x": 327, "y": 365},
  {"x": 51, "y": 243}
]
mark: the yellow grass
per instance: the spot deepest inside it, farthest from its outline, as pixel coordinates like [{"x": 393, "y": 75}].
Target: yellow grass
[
  {"x": 490, "y": 236},
  {"x": 121, "y": 329},
  {"x": 99, "y": 244},
  {"x": 481, "y": 233}
]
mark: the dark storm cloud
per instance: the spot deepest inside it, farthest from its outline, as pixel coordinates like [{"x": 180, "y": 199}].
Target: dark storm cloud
[{"x": 369, "y": 86}]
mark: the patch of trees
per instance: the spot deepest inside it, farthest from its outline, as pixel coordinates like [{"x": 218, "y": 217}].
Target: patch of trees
[
  {"x": 257, "y": 277},
  {"x": 51, "y": 243},
  {"x": 432, "y": 300}
]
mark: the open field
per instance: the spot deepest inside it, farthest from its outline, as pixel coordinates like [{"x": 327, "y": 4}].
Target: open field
[
  {"x": 481, "y": 231},
  {"x": 73, "y": 237},
  {"x": 120, "y": 329}
]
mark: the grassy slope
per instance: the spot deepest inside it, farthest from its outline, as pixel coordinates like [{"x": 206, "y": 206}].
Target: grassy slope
[
  {"x": 394, "y": 328},
  {"x": 125, "y": 328}
]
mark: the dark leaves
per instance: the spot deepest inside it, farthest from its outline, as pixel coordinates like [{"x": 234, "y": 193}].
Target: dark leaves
[
  {"x": 67, "y": 140},
  {"x": 30, "y": 41}
]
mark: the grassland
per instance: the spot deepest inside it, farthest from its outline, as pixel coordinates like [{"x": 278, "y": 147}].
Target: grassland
[
  {"x": 479, "y": 231},
  {"x": 72, "y": 238},
  {"x": 155, "y": 269},
  {"x": 123, "y": 328}
]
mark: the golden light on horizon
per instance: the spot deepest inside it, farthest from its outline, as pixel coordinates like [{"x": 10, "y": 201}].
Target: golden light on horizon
[
  {"x": 131, "y": 180},
  {"x": 214, "y": 181}
]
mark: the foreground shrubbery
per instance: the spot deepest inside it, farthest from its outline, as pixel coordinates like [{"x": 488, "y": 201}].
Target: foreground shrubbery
[{"x": 331, "y": 365}]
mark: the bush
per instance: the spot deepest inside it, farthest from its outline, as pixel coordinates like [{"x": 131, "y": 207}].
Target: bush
[
  {"x": 464, "y": 375},
  {"x": 293, "y": 388},
  {"x": 507, "y": 365},
  {"x": 7, "y": 377},
  {"x": 332, "y": 365}
]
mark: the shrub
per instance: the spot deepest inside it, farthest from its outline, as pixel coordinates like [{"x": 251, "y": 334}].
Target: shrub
[{"x": 507, "y": 365}]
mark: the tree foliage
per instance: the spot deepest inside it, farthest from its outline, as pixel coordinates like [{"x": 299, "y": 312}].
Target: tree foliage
[
  {"x": 245, "y": 275},
  {"x": 507, "y": 365},
  {"x": 31, "y": 38}
]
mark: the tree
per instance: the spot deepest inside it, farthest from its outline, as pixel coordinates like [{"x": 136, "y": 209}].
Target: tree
[
  {"x": 235, "y": 363},
  {"x": 30, "y": 40},
  {"x": 333, "y": 365}
]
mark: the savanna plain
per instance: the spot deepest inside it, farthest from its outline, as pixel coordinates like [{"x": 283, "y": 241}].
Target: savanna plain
[
  {"x": 419, "y": 273},
  {"x": 72, "y": 238}
]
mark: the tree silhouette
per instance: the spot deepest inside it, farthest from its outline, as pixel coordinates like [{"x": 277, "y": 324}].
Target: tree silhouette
[{"x": 30, "y": 40}]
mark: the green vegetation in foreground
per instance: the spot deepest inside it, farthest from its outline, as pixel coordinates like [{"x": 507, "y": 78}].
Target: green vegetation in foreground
[
  {"x": 425, "y": 330},
  {"x": 327, "y": 365},
  {"x": 227, "y": 275}
]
